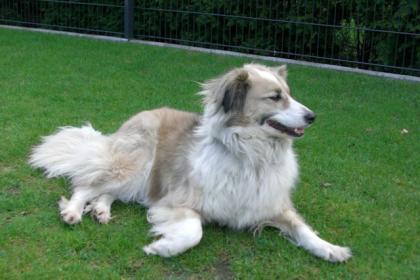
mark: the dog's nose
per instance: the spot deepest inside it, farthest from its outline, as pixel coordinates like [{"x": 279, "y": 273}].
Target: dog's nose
[{"x": 310, "y": 117}]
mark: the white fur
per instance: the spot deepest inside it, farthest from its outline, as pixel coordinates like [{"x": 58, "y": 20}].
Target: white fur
[
  {"x": 78, "y": 153},
  {"x": 307, "y": 238},
  {"x": 293, "y": 116},
  {"x": 237, "y": 195},
  {"x": 180, "y": 229}
]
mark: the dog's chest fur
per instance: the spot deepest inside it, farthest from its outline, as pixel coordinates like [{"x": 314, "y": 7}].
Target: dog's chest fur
[{"x": 239, "y": 192}]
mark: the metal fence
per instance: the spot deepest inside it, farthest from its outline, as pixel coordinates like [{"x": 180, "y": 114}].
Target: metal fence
[{"x": 379, "y": 35}]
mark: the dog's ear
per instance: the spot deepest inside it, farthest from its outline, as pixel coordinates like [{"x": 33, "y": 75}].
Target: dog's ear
[
  {"x": 281, "y": 71},
  {"x": 235, "y": 91}
]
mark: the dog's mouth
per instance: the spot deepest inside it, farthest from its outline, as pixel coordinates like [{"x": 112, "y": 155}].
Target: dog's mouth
[{"x": 295, "y": 132}]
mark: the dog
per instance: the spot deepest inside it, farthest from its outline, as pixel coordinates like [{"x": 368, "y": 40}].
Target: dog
[{"x": 233, "y": 165}]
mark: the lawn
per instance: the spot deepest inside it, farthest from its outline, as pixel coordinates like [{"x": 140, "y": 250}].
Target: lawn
[{"x": 360, "y": 166}]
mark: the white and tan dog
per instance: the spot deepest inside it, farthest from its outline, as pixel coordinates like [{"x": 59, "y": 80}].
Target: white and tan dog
[{"x": 233, "y": 165}]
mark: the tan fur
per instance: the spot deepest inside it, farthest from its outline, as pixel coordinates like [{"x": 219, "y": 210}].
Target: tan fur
[
  {"x": 238, "y": 120},
  {"x": 174, "y": 127},
  {"x": 258, "y": 89}
]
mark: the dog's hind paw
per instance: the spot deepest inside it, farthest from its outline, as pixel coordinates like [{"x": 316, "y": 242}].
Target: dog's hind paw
[
  {"x": 71, "y": 217},
  {"x": 68, "y": 215},
  {"x": 103, "y": 216}
]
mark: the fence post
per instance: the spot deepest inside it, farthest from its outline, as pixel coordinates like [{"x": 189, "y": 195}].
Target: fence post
[{"x": 129, "y": 19}]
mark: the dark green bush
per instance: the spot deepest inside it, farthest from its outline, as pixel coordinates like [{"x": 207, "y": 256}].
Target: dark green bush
[
  {"x": 97, "y": 16},
  {"x": 336, "y": 30},
  {"x": 348, "y": 32}
]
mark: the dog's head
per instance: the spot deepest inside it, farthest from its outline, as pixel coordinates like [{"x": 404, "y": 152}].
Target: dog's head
[{"x": 257, "y": 97}]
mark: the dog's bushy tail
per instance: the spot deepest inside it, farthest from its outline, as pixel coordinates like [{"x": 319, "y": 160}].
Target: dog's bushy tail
[{"x": 82, "y": 154}]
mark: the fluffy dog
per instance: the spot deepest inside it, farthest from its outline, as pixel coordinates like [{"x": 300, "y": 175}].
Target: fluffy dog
[{"x": 233, "y": 165}]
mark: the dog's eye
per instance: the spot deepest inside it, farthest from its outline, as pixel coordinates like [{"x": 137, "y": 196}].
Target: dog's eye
[{"x": 276, "y": 97}]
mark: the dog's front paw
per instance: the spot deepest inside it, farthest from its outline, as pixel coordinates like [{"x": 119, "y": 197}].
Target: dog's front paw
[
  {"x": 149, "y": 250},
  {"x": 71, "y": 217},
  {"x": 332, "y": 253},
  {"x": 157, "y": 248}
]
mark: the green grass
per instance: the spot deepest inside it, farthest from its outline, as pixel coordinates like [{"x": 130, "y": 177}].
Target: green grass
[{"x": 359, "y": 174}]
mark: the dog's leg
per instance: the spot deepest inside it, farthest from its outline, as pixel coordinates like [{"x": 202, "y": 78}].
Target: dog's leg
[
  {"x": 179, "y": 229},
  {"x": 101, "y": 208},
  {"x": 71, "y": 210},
  {"x": 291, "y": 224}
]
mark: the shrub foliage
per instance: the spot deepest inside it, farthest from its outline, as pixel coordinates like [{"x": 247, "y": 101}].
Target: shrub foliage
[{"x": 368, "y": 34}]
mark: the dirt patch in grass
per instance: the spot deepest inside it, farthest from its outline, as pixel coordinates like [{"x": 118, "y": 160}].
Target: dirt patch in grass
[{"x": 223, "y": 270}]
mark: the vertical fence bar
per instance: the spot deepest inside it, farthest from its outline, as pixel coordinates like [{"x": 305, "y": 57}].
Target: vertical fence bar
[{"x": 129, "y": 19}]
